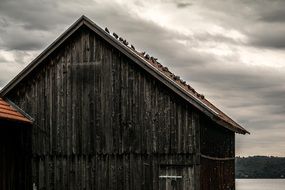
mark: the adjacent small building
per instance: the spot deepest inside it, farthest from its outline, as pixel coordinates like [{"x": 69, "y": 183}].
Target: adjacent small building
[
  {"x": 15, "y": 146},
  {"x": 109, "y": 117}
]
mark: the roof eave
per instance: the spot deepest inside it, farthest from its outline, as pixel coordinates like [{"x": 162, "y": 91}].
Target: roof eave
[
  {"x": 235, "y": 128},
  {"x": 24, "y": 121},
  {"x": 13, "y": 114},
  {"x": 29, "y": 119}
]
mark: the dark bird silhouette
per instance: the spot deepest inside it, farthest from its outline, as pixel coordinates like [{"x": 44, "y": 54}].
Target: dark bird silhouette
[
  {"x": 153, "y": 59},
  {"x": 176, "y": 77},
  {"x": 189, "y": 87},
  {"x": 115, "y": 35},
  {"x": 106, "y": 29},
  {"x": 147, "y": 56},
  {"x": 121, "y": 39},
  {"x": 165, "y": 69},
  {"x": 143, "y": 53},
  {"x": 133, "y": 47},
  {"x": 125, "y": 42}
]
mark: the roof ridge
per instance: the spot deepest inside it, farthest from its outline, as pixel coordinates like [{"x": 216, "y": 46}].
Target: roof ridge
[{"x": 153, "y": 60}]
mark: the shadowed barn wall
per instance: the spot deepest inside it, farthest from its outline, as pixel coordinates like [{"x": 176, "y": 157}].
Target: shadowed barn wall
[
  {"x": 101, "y": 122},
  {"x": 218, "y": 156},
  {"x": 15, "y": 156}
]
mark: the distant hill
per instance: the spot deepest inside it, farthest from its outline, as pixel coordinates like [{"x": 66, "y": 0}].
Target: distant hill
[{"x": 260, "y": 167}]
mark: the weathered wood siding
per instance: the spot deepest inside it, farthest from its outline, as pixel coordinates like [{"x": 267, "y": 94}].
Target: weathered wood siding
[
  {"x": 101, "y": 122},
  {"x": 217, "y": 142},
  {"x": 15, "y": 156}
]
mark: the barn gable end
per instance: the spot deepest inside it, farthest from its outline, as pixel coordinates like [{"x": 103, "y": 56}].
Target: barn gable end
[
  {"x": 101, "y": 108},
  {"x": 179, "y": 87},
  {"x": 106, "y": 119}
]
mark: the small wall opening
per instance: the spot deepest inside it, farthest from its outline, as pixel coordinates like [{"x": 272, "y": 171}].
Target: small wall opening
[{"x": 176, "y": 177}]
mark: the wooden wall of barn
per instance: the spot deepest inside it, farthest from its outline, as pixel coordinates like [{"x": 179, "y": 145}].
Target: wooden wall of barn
[
  {"x": 218, "y": 169},
  {"x": 15, "y": 156},
  {"x": 101, "y": 122}
]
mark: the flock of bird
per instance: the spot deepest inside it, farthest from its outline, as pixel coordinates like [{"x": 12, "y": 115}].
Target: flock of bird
[{"x": 154, "y": 60}]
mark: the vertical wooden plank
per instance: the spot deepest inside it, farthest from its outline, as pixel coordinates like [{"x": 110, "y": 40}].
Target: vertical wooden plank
[
  {"x": 64, "y": 97},
  {"x": 173, "y": 130},
  {"x": 73, "y": 100},
  {"x": 115, "y": 105},
  {"x": 97, "y": 87},
  {"x": 167, "y": 124},
  {"x": 68, "y": 108},
  {"x": 57, "y": 105}
]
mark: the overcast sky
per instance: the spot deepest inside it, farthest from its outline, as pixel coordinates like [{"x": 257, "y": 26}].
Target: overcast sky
[{"x": 233, "y": 52}]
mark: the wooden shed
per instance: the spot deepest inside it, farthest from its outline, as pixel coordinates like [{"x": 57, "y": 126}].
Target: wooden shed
[
  {"x": 108, "y": 117},
  {"x": 15, "y": 151}
]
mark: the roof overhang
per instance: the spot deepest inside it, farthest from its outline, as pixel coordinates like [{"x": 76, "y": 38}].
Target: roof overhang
[{"x": 9, "y": 112}]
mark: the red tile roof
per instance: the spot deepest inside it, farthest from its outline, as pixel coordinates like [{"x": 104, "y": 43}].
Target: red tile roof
[{"x": 7, "y": 112}]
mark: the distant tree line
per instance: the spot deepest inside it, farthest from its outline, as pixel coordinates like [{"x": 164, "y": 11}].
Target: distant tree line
[{"x": 260, "y": 167}]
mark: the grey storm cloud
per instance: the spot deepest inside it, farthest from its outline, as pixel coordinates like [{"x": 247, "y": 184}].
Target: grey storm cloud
[
  {"x": 183, "y": 4},
  {"x": 276, "y": 16},
  {"x": 232, "y": 51},
  {"x": 263, "y": 22},
  {"x": 271, "y": 36}
]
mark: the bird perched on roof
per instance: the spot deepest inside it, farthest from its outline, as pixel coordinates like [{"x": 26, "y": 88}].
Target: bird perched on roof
[
  {"x": 153, "y": 59},
  {"x": 115, "y": 35},
  {"x": 164, "y": 68},
  {"x": 121, "y": 39},
  {"x": 107, "y": 30},
  {"x": 143, "y": 53},
  {"x": 176, "y": 77},
  {"x": 147, "y": 56},
  {"x": 189, "y": 87},
  {"x": 125, "y": 42},
  {"x": 133, "y": 47}
]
